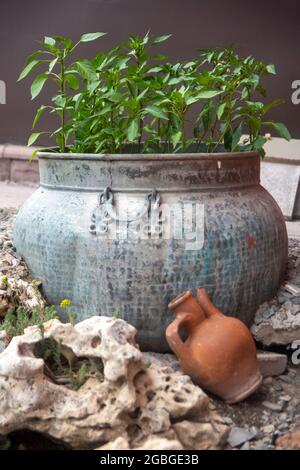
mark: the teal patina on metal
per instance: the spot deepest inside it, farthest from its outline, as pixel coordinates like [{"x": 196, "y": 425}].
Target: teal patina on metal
[{"x": 64, "y": 232}]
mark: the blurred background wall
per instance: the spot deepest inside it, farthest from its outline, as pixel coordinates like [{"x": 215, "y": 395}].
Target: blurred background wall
[{"x": 268, "y": 30}]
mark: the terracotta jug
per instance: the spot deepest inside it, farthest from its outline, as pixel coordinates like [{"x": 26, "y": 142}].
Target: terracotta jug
[{"x": 219, "y": 353}]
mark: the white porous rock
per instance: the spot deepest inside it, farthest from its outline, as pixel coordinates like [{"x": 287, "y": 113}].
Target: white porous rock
[
  {"x": 151, "y": 443},
  {"x": 120, "y": 443},
  {"x": 208, "y": 433},
  {"x": 159, "y": 443},
  {"x": 165, "y": 396},
  {"x": 99, "y": 410}
]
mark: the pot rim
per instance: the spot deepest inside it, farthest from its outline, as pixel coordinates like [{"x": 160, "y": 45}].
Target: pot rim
[{"x": 46, "y": 154}]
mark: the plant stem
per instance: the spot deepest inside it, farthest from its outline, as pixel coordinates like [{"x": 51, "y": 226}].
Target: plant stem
[
  {"x": 213, "y": 129},
  {"x": 212, "y": 149},
  {"x": 167, "y": 135},
  {"x": 62, "y": 116},
  {"x": 183, "y": 130},
  {"x": 112, "y": 119},
  {"x": 141, "y": 126}
]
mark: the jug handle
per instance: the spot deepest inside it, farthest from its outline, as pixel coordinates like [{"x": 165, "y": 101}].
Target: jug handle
[
  {"x": 207, "y": 305},
  {"x": 173, "y": 336}
]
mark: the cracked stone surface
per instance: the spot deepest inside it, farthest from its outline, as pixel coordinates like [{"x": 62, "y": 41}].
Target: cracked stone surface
[
  {"x": 11, "y": 264},
  {"x": 278, "y": 322},
  {"x": 16, "y": 287}
]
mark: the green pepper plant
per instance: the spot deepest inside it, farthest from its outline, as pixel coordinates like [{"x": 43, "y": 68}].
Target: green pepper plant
[{"x": 133, "y": 99}]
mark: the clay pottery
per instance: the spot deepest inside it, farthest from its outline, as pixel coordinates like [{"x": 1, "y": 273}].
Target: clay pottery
[{"x": 219, "y": 353}]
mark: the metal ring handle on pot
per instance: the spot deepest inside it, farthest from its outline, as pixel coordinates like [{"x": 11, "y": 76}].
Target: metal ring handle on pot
[
  {"x": 107, "y": 198},
  {"x": 106, "y": 201}
]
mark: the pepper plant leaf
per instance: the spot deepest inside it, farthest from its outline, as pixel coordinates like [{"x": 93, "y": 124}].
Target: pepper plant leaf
[
  {"x": 160, "y": 39},
  {"x": 33, "y": 137},
  {"x": 133, "y": 130},
  {"x": 87, "y": 37},
  {"x": 281, "y": 129},
  {"x": 37, "y": 85},
  {"x": 29, "y": 68}
]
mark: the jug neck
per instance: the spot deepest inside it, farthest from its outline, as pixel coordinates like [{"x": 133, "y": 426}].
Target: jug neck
[{"x": 185, "y": 304}]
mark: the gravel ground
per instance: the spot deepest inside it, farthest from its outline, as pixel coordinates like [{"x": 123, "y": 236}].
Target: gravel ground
[
  {"x": 260, "y": 421},
  {"x": 11, "y": 264}
]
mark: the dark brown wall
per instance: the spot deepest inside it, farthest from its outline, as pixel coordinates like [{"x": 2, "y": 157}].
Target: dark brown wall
[{"x": 268, "y": 30}]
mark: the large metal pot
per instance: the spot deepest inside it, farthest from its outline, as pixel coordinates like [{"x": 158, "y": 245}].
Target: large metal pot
[{"x": 72, "y": 234}]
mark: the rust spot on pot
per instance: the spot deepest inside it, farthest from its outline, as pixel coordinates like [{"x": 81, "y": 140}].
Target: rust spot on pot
[{"x": 250, "y": 241}]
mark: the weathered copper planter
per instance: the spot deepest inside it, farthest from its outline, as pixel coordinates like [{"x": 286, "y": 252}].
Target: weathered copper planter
[
  {"x": 64, "y": 231},
  {"x": 219, "y": 352}
]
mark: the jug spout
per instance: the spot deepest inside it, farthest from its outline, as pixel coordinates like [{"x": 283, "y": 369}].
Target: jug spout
[{"x": 207, "y": 305}]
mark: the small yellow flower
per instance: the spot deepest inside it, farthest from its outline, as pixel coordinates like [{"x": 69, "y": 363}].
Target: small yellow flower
[
  {"x": 4, "y": 280},
  {"x": 65, "y": 303}
]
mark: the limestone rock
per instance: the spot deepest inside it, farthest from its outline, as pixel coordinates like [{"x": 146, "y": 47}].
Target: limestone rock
[
  {"x": 120, "y": 443},
  {"x": 168, "y": 400},
  {"x": 98, "y": 411},
  {"x": 281, "y": 329},
  {"x": 162, "y": 359},
  {"x": 164, "y": 396},
  {"x": 209, "y": 434},
  {"x": 159, "y": 443},
  {"x": 151, "y": 443}
]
